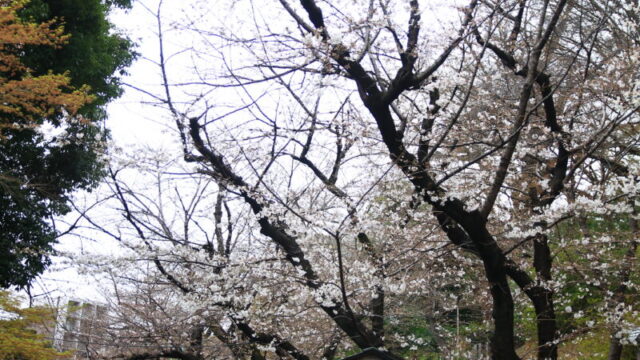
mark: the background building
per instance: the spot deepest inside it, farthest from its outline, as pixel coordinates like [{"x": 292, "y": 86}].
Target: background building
[{"x": 80, "y": 327}]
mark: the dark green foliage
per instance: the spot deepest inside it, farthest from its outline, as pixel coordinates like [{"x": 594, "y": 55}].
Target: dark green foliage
[
  {"x": 93, "y": 56},
  {"x": 23, "y": 229},
  {"x": 39, "y": 171}
]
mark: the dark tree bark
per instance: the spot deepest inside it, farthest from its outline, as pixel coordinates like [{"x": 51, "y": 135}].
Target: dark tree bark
[
  {"x": 176, "y": 354},
  {"x": 378, "y": 103},
  {"x": 543, "y": 300},
  {"x": 283, "y": 347},
  {"x": 343, "y": 317}
]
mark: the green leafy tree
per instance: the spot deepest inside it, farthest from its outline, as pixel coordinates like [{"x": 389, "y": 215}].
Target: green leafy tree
[
  {"x": 19, "y": 338},
  {"x": 59, "y": 151}
]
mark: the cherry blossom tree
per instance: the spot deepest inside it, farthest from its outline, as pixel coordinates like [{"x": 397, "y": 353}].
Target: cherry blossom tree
[{"x": 386, "y": 155}]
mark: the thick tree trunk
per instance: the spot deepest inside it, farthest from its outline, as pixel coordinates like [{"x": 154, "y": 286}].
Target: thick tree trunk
[
  {"x": 468, "y": 230},
  {"x": 543, "y": 301},
  {"x": 493, "y": 259},
  {"x": 615, "y": 349},
  {"x": 502, "y": 340}
]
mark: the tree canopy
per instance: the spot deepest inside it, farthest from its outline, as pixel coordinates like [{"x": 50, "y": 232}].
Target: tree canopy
[
  {"x": 19, "y": 336},
  {"x": 61, "y": 63}
]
